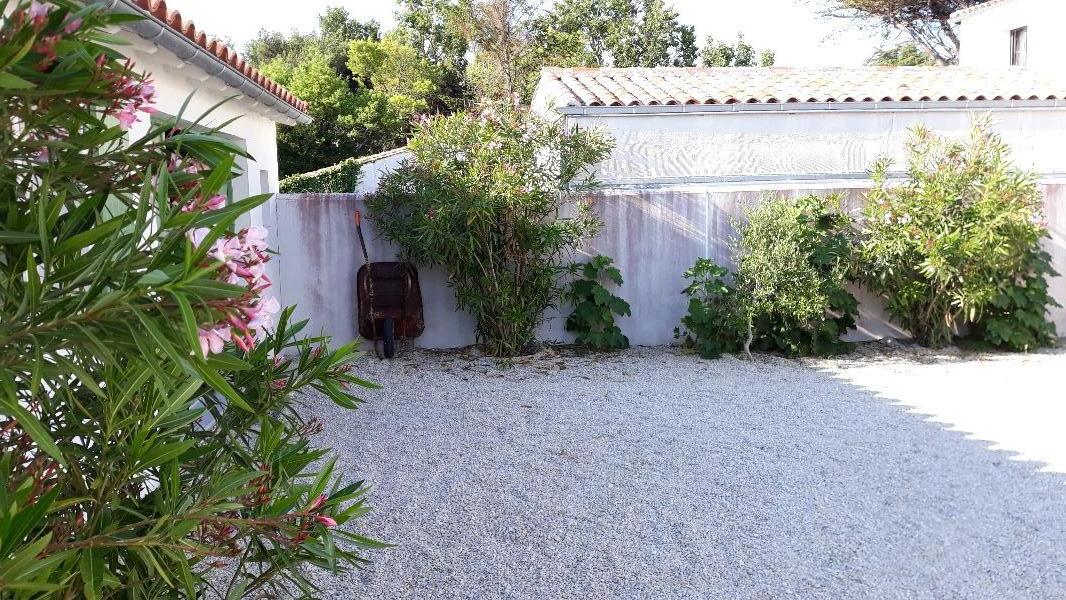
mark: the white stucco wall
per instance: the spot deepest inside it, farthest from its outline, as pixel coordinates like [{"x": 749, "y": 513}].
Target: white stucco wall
[
  {"x": 254, "y": 128},
  {"x": 984, "y": 34},
  {"x": 652, "y": 233}
]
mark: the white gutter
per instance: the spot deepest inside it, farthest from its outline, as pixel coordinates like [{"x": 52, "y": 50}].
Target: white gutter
[{"x": 152, "y": 30}]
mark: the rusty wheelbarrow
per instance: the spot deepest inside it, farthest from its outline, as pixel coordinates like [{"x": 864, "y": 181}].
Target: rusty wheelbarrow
[{"x": 390, "y": 300}]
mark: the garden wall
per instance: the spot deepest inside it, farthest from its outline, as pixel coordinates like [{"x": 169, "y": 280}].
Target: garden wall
[{"x": 653, "y": 233}]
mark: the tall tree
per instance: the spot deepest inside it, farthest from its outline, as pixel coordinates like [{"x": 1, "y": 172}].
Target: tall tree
[
  {"x": 335, "y": 29},
  {"x": 904, "y": 55},
  {"x": 361, "y": 101},
  {"x": 926, "y": 22},
  {"x": 332, "y": 135},
  {"x": 620, "y": 33},
  {"x": 435, "y": 29},
  {"x": 738, "y": 54},
  {"x": 505, "y": 61}
]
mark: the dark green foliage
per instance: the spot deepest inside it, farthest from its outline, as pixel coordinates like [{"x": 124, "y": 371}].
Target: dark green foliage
[
  {"x": 904, "y": 55},
  {"x": 1017, "y": 319},
  {"x": 714, "y": 324},
  {"x": 341, "y": 178},
  {"x": 355, "y": 112},
  {"x": 740, "y": 54},
  {"x": 595, "y": 306},
  {"x": 957, "y": 241},
  {"x": 481, "y": 197},
  {"x": 617, "y": 33},
  {"x": 136, "y": 450}
]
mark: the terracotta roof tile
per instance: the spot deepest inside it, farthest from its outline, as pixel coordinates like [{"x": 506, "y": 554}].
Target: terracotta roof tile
[
  {"x": 674, "y": 85},
  {"x": 172, "y": 18}
]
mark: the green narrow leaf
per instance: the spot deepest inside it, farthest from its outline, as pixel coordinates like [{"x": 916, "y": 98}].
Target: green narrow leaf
[
  {"x": 8, "y": 236},
  {"x": 216, "y": 381},
  {"x": 14, "y": 82},
  {"x": 11, "y": 407},
  {"x": 92, "y": 572}
]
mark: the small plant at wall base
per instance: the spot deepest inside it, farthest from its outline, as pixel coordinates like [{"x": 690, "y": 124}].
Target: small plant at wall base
[
  {"x": 481, "y": 197},
  {"x": 958, "y": 243},
  {"x": 788, "y": 293},
  {"x": 714, "y": 324},
  {"x": 150, "y": 427},
  {"x": 595, "y": 307}
]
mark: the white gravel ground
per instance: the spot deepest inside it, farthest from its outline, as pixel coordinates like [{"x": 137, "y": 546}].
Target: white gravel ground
[{"x": 653, "y": 474}]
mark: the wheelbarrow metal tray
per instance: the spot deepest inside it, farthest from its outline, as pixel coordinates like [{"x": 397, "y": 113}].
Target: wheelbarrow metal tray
[{"x": 397, "y": 296}]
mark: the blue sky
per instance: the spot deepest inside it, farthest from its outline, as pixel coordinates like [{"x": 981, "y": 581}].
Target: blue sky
[{"x": 791, "y": 27}]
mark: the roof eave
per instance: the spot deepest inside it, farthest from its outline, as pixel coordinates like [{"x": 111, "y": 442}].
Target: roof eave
[
  {"x": 787, "y": 107},
  {"x": 186, "y": 50}
]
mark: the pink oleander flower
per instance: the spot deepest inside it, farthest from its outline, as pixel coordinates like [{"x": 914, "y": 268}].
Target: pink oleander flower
[
  {"x": 324, "y": 520},
  {"x": 147, "y": 92},
  {"x": 126, "y": 118},
  {"x": 41, "y": 155},
  {"x": 226, "y": 250},
  {"x": 72, "y": 25},
  {"x": 262, "y": 317},
  {"x": 212, "y": 341},
  {"x": 215, "y": 202},
  {"x": 196, "y": 236},
  {"x": 317, "y": 503},
  {"x": 255, "y": 237},
  {"x": 38, "y": 12}
]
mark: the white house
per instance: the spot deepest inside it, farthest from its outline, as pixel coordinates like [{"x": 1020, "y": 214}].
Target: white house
[
  {"x": 1022, "y": 33},
  {"x": 186, "y": 64}
]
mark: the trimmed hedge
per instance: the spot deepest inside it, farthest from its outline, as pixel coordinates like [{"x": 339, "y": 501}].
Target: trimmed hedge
[{"x": 339, "y": 178}]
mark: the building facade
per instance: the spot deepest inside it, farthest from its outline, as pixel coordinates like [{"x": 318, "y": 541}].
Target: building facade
[
  {"x": 1020, "y": 33},
  {"x": 195, "y": 75}
]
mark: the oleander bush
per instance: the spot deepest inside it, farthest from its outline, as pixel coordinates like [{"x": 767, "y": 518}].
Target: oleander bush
[
  {"x": 497, "y": 200},
  {"x": 957, "y": 245},
  {"x": 152, "y": 443},
  {"x": 793, "y": 258},
  {"x": 593, "y": 318}
]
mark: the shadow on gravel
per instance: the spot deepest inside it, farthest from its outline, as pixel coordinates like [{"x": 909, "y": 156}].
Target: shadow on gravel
[{"x": 655, "y": 475}]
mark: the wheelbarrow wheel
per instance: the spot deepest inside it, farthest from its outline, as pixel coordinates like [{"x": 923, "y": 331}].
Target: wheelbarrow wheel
[{"x": 388, "y": 337}]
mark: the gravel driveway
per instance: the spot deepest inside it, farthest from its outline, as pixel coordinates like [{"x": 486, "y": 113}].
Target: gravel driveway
[{"x": 653, "y": 474}]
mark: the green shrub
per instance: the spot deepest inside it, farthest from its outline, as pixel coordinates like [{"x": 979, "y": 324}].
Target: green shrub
[
  {"x": 788, "y": 293},
  {"x": 341, "y": 178},
  {"x": 151, "y": 426},
  {"x": 595, "y": 306},
  {"x": 481, "y": 197},
  {"x": 794, "y": 257},
  {"x": 958, "y": 243}
]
